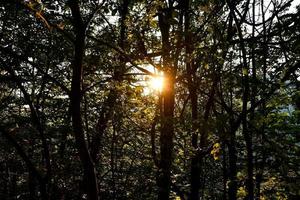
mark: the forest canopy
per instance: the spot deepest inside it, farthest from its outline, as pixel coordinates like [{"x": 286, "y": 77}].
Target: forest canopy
[{"x": 157, "y": 99}]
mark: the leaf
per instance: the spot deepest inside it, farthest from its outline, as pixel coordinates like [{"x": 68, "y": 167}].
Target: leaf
[
  {"x": 215, "y": 152},
  {"x": 245, "y": 71},
  {"x": 206, "y": 66},
  {"x": 153, "y": 23},
  {"x": 241, "y": 192}
]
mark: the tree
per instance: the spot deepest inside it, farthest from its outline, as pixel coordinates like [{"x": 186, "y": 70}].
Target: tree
[{"x": 80, "y": 121}]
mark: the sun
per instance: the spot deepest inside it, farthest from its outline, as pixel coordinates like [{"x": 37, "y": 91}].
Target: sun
[{"x": 156, "y": 83}]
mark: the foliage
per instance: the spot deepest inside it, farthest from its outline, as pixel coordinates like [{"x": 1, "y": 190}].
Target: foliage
[{"x": 76, "y": 105}]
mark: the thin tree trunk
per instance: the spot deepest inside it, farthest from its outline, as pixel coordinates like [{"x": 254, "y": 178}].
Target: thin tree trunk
[
  {"x": 166, "y": 139},
  {"x": 232, "y": 157},
  {"x": 6, "y": 183},
  {"x": 110, "y": 102},
  {"x": 224, "y": 169},
  {"x": 250, "y": 165},
  {"x": 245, "y": 84},
  {"x": 77, "y": 67},
  {"x": 167, "y": 116},
  {"x": 195, "y": 164},
  {"x": 259, "y": 175},
  {"x": 232, "y": 187},
  {"x": 31, "y": 186}
]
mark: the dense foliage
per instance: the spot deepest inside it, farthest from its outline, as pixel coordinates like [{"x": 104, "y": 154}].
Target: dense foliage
[{"x": 79, "y": 120}]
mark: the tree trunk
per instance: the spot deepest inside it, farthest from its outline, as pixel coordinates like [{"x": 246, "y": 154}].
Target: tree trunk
[
  {"x": 167, "y": 115},
  {"x": 246, "y": 90},
  {"x": 195, "y": 164},
  {"x": 232, "y": 187},
  {"x": 77, "y": 124},
  {"x": 88, "y": 166},
  {"x": 249, "y": 143},
  {"x": 166, "y": 138}
]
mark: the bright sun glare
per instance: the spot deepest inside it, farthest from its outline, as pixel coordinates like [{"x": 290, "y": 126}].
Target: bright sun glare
[{"x": 156, "y": 83}]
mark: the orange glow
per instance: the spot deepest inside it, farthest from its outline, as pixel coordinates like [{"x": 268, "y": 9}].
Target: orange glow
[{"x": 156, "y": 83}]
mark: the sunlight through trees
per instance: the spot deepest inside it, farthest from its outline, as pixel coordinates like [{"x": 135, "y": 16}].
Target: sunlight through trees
[{"x": 144, "y": 100}]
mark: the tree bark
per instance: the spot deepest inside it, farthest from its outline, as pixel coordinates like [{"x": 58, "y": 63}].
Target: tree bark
[
  {"x": 232, "y": 187},
  {"x": 195, "y": 164},
  {"x": 167, "y": 116},
  {"x": 246, "y": 90},
  {"x": 77, "y": 124}
]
